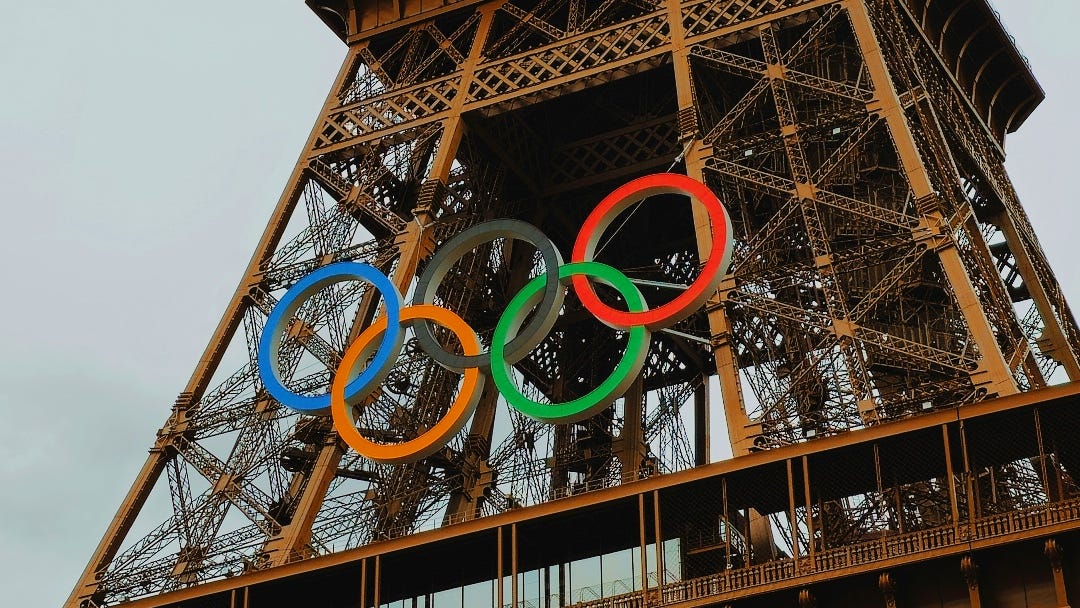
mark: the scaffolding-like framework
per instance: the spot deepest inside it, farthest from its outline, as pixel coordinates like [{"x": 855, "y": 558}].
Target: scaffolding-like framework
[{"x": 883, "y": 267}]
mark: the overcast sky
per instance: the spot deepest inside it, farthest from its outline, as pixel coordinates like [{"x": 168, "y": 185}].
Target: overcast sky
[{"x": 143, "y": 145}]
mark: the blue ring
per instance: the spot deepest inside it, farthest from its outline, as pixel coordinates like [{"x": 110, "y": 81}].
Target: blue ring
[{"x": 288, "y": 305}]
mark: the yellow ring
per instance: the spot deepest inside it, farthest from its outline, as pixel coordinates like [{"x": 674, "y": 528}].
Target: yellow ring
[{"x": 434, "y": 438}]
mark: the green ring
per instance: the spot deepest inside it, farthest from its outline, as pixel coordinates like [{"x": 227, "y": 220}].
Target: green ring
[{"x": 637, "y": 348}]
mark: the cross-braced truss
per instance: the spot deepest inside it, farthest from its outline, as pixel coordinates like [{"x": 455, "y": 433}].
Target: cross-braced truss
[{"x": 883, "y": 267}]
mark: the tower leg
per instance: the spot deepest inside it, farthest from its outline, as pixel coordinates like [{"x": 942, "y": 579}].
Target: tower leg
[
  {"x": 197, "y": 385},
  {"x": 993, "y": 372}
]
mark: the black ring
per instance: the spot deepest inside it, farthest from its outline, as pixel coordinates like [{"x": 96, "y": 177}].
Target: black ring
[{"x": 532, "y": 334}]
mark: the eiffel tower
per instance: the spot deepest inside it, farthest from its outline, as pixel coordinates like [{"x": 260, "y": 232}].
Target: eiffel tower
[{"x": 889, "y": 351}]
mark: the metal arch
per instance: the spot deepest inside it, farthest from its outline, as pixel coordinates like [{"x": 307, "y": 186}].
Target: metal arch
[
  {"x": 948, "y": 22},
  {"x": 1020, "y": 107},
  {"x": 974, "y": 92},
  {"x": 925, "y": 13},
  {"x": 963, "y": 49},
  {"x": 993, "y": 99}
]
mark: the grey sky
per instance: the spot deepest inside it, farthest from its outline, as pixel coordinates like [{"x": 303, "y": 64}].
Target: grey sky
[{"x": 142, "y": 147}]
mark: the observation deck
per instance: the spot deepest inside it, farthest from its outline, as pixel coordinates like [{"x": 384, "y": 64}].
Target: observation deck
[
  {"x": 538, "y": 555},
  {"x": 980, "y": 56}
]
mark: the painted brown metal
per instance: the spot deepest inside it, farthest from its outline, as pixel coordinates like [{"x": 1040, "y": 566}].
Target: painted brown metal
[
  {"x": 881, "y": 257},
  {"x": 959, "y": 538}
]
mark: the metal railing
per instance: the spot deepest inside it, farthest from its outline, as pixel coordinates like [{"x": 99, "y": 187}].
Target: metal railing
[
  {"x": 436, "y": 523},
  {"x": 887, "y": 547}
]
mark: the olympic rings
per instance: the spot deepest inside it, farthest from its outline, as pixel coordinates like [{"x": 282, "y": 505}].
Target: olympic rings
[
  {"x": 453, "y": 250},
  {"x": 428, "y": 442},
  {"x": 513, "y": 338},
  {"x": 637, "y": 348},
  {"x": 697, "y": 293},
  {"x": 276, "y": 323}
]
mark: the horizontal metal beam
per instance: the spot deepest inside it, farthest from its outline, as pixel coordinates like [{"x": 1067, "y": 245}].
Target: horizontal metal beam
[{"x": 757, "y": 459}]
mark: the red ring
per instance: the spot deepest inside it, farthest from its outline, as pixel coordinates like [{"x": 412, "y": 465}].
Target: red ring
[{"x": 697, "y": 293}]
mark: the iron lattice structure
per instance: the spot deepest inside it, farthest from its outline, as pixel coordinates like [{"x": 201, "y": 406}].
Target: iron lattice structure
[{"x": 883, "y": 266}]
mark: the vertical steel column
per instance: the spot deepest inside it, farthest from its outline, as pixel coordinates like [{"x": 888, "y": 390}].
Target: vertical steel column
[
  {"x": 629, "y": 446},
  {"x": 809, "y": 506},
  {"x": 738, "y": 423},
  {"x": 1053, "y": 554},
  {"x": 993, "y": 370},
  {"x": 791, "y": 514},
  {"x": 513, "y": 564},
  {"x": 887, "y": 586},
  {"x": 969, "y": 486},
  {"x": 378, "y": 580},
  {"x": 727, "y": 524},
  {"x": 970, "y": 571},
  {"x": 642, "y": 545},
  {"x": 499, "y": 567},
  {"x": 661, "y": 570},
  {"x": 702, "y": 422},
  {"x": 951, "y": 477},
  {"x": 719, "y": 326},
  {"x": 463, "y": 504},
  {"x": 363, "y": 583}
]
